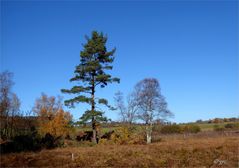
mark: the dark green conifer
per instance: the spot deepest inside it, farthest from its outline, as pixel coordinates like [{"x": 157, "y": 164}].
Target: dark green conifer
[{"x": 95, "y": 61}]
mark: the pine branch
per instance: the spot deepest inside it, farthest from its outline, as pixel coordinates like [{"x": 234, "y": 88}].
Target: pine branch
[
  {"x": 78, "y": 99},
  {"x": 77, "y": 89}
]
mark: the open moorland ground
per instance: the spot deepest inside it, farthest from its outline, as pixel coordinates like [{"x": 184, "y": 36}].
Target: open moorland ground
[{"x": 172, "y": 151}]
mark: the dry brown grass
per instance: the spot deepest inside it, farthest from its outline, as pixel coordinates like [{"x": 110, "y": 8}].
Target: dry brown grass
[{"x": 191, "y": 152}]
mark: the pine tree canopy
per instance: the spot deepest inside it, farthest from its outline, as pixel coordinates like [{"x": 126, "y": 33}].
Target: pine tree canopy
[{"x": 95, "y": 61}]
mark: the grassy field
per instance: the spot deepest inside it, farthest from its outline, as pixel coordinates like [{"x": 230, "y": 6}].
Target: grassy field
[{"x": 219, "y": 151}]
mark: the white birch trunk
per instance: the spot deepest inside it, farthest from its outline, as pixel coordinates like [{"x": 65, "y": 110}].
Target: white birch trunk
[{"x": 148, "y": 134}]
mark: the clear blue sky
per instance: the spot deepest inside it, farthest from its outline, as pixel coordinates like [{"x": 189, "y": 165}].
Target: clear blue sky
[{"x": 191, "y": 47}]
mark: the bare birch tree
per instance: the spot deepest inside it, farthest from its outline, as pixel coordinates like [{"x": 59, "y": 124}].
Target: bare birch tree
[
  {"x": 151, "y": 103},
  {"x": 127, "y": 113}
]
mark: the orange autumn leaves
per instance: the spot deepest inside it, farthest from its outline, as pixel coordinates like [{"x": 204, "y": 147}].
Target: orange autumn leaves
[
  {"x": 51, "y": 116},
  {"x": 58, "y": 126}
]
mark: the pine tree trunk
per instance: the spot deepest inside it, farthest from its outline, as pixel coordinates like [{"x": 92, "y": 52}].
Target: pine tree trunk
[
  {"x": 93, "y": 109},
  {"x": 94, "y": 130}
]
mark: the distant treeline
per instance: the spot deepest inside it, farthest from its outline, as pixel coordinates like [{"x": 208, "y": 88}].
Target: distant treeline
[
  {"x": 160, "y": 122},
  {"x": 219, "y": 120}
]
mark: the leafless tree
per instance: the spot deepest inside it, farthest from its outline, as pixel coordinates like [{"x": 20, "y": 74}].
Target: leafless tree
[
  {"x": 6, "y": 98},
  {"x": 6, "y": 84},
  {"x": 127, "y": 113},
  {"x": 151, "y": 103},
  {"x": 13, "y": 113},
  {"x": 47, "y": 106}
]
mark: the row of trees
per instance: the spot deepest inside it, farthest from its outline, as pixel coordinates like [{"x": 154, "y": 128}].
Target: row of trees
[{"x": 47, "y": 114}]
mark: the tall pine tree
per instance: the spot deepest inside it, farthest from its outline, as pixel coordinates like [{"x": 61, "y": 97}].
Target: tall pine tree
[{"x": 95, "y": 61}]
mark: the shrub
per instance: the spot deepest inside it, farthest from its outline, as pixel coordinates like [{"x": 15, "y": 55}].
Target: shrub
[
  {"x": 121, "y": 135},
  {"x": 157, "y": 128},
  {"x": 51, "y": 116},
  {"x": 49, "y": 141},
  {"x": 84, "y": 136},
  {"x": 232, "y": 126},
  {"x": 218, "y": 128},
  {"x": 104, "y": 141},
  {"x": 125, "y": 135},
  {"x": 27, "y": 142},
  {"x": 171, "y": 129},
  {"x": 156, "y": 138},
  {"x": 58, "y": 125},
  {"x": 191, "y": 129}
]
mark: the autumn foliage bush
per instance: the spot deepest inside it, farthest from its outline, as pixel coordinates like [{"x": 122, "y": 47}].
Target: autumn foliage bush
[
  {"x": 51, "y": 116},
  {"x": 57, "y": 126},
  {"x": 125, "y": 135}
]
